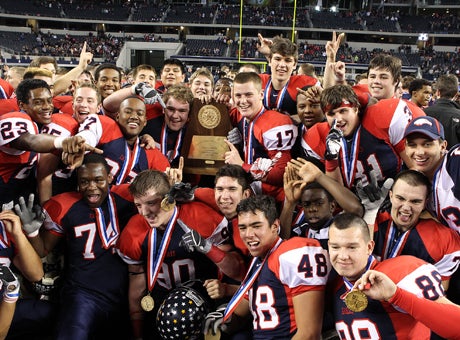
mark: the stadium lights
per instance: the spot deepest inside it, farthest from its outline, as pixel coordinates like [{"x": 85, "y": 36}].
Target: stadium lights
[
  {"x": 334, "y": 9},
  {"x": 317, "y": 8}
]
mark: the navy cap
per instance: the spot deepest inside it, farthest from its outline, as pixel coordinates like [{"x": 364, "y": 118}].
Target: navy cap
[{"x": 427, "y": 126}]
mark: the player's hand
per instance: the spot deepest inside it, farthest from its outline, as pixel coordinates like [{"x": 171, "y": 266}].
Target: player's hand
[
  {"x": 306, "y": 170},
  {"x": 264, "y": 45},
  {"x": 76, "y": 144},
  {"x": 232, "y": 156},
  {"x": 313, "y": 93},
  {"x": 262, "y": 166},
  {"x": 213, "y": 320},
  {"x": 150, "y": 95},
  {"x": 332, "y": 46},
  {"x": 182, "y": 192},
  {"x": 292, "y": 184},
  {"x": 193, "y": 241},
  {"x": 85, "y": 57},
  {"x": 215, "y": 288},
  {"x": 372, "y": 195},
  {"x": 234, "y": 136},
  {"x": 175, "y": 174},
  {"x": 333, "y": 140},
  {"x": 10, "y": 285},
  {"x": 376, "y": 285},
  {"x": 147, "y": 142},
  {"x": 31, "y": 215}
]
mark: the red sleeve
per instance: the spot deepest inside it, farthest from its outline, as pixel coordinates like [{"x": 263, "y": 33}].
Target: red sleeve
[
  {"x": 157, "y": 160},
  {"x": 8, "y": 105},
  {"x": 131, "y": 239},
  {"x": 275, "y": 175},
  {"x": 441, "y": 318}
]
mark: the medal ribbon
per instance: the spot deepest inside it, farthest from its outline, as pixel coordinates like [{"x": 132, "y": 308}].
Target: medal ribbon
[
  {"x": 108, "y": 233},
  {"x": 349, "y": 160},
  {"x": 370, "y": 260},
  {"x": 248, "y": 136},
  {"x": 3, "y": 237},
  {"x": 164, "y": 143},
  {"x": 394, "y": 244},
  {"x": 129, "y": 162},
  {"x": 155, "y": 259},
  {"x": 279, "y": 100},
  {"x": 248, "y": 281}
]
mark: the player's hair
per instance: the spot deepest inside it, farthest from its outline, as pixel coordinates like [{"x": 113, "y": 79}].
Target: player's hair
[
  {"x": 179, "y": 92},
  {"x": 94, "y": 158},
  {"x": 20, "y": 70},
  {"x": 285, "y": 47},
  {"x": 316, "y": 185},
  {"x": 90, "y": 75},
  {"x": 247, "y": 77},
  {"x": 133, "y": 96},
  {"x": 388, "y": 62},
  {"x": 202, "y": 71},
  {"x": 447, "y": 85},
  {"x": 27, "y": 85},
  {"x": 406, "y": 82},
  {"x": 308, "y": 69},
  {"x": 32, "y": 72},
  {"x": 347, "y": 220},
  {"x": 150, "y": 179},
  {"x": 44, "y": 60},
  {"x": 237, "y": 172},
  {"x": 417, "y": 84},
  {"x": 413, "y": 178},
  {"x": 100, "y": 68},
  {"x": 141, "y": 67},
  {"x": 90, "y": 86},
  {"x": 332, "y": 97},
  {"x": 173, "y": 61},
  {"x": 263, "y": 203},
  {"x": 253, "y": 67}
]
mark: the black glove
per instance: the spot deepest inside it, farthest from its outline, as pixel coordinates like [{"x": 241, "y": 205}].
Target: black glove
[
  {"x": 192, "y": 241},
  {"x": 182, "y": 192},
  {"x": 333, "y": 144}
]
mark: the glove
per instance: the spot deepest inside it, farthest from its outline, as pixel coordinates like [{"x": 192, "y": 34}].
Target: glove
[
  {"x": 333, "y": 139},
  {"x": 31, "y": 216},
  {"x": 182, "y": 192},
  {"x": 150, "y": 95},
  {"x": 10, "y": 285},
  {"x": 262, "y": 166},
  {"x": 8, "y": 206},
  {"x": 213, "y": 320},
  {"x": 192, "y": 241},
  {"x": 378, "y": 194},
  {"x": 234, "y": 136}
]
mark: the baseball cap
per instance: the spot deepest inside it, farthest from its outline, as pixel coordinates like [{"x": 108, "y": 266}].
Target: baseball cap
[{"x": 427, "y": 126}]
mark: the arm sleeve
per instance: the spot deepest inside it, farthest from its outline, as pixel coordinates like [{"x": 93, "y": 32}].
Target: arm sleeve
[{"x": 442, "y": 318}]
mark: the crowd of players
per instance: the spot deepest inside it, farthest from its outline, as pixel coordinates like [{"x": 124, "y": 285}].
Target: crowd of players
[{"x": 336, "y": 212}]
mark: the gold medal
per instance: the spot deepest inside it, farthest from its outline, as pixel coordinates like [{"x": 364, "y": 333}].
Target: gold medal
[
  {"x": 166, "y": 206},
  {"x": 356, "y": 301},
  {"x": 147, "y": 303},
  {"x": 209, "y": 336}
]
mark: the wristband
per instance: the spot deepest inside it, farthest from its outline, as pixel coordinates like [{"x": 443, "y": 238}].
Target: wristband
[
  {"x": 332, "y": 164},
  {"x": 215, "y": 254},
  {"x": 33, "y": 233},
  {"x": 58, "y": 142}
]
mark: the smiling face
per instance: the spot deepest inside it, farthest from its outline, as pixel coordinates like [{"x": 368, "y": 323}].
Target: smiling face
[
  {"x": 145, "y": 76},
  {"x": 257, "y": 233},
  {"x": 425, "y": 153},
  {"x": 85, "y": 102},
  {"x": 93, "y": 183},
  {"x": 349, "y": 251},
  {"x": 39, "y": 105},
  {"x": 347, "y": 119},
  {"x": 309, "y": 111},
  {"x": 149, "y": 206},
  {"x": 228, "y": 193},
  {"x": 381, "y": 83},
  {"x": 282, "y": 67},
  {"x": 247, "y": 97},
  {"x": 176, "y": 113},
  {"x": 131, "y": 118},
  {"x": 108, "y": 82},
  {"x": 407, "y": 203},
  {"x": 201, "y": 86}
]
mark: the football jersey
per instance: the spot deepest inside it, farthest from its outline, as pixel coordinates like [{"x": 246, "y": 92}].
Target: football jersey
[
  {"x": 380, "y": 320},
  {"x": 444, "y": 202},
  {"x": 297, "y": 266},
  {"x": 284, "y": 100},
  {"x": 263, "y": 137},
  {"x": 382, "y": 127},
  {"x": 179, "y": 265},
  {"x": 125, "y": 162},
  {"x": 16, "y": 166},
  {"x": 302, "y": 228},
  {"x": 64, "y": 104},
  {"x": 91, "y": 260},
  {"x": 6, "y": 90},
  {"x": 428, "y": 240}
]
